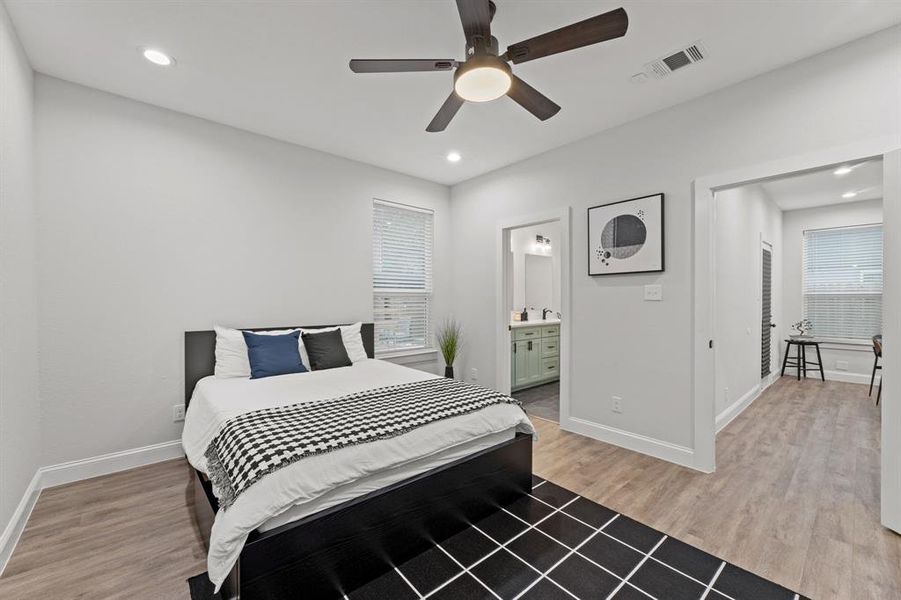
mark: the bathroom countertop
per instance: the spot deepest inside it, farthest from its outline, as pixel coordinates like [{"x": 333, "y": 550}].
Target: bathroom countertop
[{"x": 535, "y": 323}]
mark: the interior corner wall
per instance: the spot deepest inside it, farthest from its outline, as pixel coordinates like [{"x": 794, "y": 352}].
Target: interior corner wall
[
  {"x": 621, "y": 345},
  {"x": 20, "y": 409},
  {"x": 152, "y": 223},
  {"x": 859, "y": 358},
  {"x": 745, "y": 218}
]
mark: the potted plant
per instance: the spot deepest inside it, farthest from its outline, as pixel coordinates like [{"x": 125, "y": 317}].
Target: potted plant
[
  {"x": 450, "y": 336},
  {"x": 802, "y": 327}
]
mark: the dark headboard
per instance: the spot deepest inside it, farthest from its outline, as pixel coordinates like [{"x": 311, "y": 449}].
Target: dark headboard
[{"x": 200, "y": 351}]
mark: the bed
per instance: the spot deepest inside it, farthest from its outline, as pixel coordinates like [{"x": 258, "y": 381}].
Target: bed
[{"x": 338, "y": 520}]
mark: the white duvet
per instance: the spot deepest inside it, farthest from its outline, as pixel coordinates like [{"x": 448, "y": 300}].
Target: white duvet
[{"x": 216, "y": 400}]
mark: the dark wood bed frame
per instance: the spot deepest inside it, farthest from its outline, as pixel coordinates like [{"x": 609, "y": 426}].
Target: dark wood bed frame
[{"x": 346, "y": 546}]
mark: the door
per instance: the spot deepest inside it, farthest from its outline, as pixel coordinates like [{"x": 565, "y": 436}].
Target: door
[
  {"x": 534, "y": 360},
  {"x": 766, "y": 305},
  {"x": 521, "y": 363}
]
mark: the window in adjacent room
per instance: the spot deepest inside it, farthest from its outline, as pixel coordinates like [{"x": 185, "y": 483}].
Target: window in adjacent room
[
  {"x": 402, "y": 239},
  {"x": 842, "y": 283}
]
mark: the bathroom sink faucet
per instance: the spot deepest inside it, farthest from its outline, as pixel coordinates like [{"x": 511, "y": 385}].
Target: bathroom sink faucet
[{"x": 544, "y": 312}]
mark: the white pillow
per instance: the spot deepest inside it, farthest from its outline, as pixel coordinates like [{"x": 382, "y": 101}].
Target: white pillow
[
  {"x": 231, "y": 351},
  {"x": 350, "y": 335}
]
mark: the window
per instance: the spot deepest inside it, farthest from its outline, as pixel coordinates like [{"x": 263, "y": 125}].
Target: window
[
  {"x": 842, "y": 283},
  {"x": 402, "y": 276}
]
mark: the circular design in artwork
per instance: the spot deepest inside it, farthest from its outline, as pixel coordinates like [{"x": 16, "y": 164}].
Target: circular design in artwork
[{"x": 623, "y": 236}]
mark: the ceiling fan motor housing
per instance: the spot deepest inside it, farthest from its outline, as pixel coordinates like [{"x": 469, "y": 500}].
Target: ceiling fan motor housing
[{"x": 477, "y": 45}]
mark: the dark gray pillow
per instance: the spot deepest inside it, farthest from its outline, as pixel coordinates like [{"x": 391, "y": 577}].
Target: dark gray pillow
[{"x": 326, "y": 350}]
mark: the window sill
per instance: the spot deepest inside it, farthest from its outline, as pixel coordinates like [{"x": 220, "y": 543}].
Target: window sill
[
  {"x": 412, "y": 353},
  {"x": 847, "y": 344}
]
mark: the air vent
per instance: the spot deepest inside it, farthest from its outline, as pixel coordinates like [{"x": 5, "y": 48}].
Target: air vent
[{"x": 662, "y": 67}]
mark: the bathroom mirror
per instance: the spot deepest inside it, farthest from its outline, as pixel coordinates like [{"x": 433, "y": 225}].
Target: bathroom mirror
[{"x": 539, "y": 281}]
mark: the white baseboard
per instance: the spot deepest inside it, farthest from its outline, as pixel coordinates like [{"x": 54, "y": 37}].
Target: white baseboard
[
  {"x": 674, "y": 453},
  {"x": 736, "y": 408},
  {"x": 16, "y": 525},
  {"x": 846, "y": 377},
  {"x": 105, "y": 464},
  {"x": 77, "y": 470}
]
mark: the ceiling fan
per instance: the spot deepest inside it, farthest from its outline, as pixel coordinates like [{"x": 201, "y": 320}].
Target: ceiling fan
[{"x": 485, "y": 75}]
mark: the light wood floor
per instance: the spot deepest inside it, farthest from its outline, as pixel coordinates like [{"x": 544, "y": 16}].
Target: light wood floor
[{"x": 794, "y": 498}]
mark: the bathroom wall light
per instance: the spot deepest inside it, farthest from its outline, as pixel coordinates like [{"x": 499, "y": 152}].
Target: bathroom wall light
[{"x": 542, "y": 244}]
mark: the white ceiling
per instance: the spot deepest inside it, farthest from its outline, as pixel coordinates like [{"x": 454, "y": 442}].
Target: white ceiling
[
  {"x": 824, "y": 187},
  {"x": 280, "y": 68}
]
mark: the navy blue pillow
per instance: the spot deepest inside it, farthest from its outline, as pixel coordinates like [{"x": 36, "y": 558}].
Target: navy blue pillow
[{"x": 273, "y": 354}]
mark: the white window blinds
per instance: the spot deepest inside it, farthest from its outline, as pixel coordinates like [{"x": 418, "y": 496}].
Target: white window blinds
[
  {"x": 842, "y": 284},
  {"x": 402, "y": 239}
]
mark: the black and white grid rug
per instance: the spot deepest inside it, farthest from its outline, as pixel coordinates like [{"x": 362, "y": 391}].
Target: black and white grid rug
[{"x": 555, "y": 545}]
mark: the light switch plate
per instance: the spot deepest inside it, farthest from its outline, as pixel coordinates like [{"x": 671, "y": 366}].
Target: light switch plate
[{"x": 653, "y": 293}]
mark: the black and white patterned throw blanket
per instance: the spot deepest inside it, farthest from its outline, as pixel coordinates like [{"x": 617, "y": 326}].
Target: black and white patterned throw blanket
[{"x": 257, "y": 443}]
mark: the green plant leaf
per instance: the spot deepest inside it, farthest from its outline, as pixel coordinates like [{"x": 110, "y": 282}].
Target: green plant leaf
[{"x": 449, "y": 337}]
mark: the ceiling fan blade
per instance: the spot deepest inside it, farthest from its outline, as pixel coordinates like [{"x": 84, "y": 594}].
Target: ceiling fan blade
[
  {"x": 358, "y": 65},
  {"x": 601, "y": 28},
  {"x": 532, "y": 100},
  {"x": 476, "y": 18},
  {"x": 445, "y": 113}
]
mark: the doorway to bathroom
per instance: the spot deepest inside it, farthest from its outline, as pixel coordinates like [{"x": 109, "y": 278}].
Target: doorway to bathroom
[{"x": 532, "y": 325}]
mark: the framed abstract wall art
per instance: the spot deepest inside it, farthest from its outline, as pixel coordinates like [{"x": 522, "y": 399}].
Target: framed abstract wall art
[{"x": 626, "y": 236}]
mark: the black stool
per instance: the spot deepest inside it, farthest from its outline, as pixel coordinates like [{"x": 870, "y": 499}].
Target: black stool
[{"x": 800, "y": 361}]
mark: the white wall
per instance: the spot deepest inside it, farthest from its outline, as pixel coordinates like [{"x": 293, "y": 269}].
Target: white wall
[
  {"x": 745, "y": 217},
  {"x": 20, "y": 424},
  {"x": 622, "y": 345},
  {"x": 795, "y": 222},
  {"x": 152, "y": 223},
  {"x": 522, "y": 242},
  {"x": 890, "y": 484}
]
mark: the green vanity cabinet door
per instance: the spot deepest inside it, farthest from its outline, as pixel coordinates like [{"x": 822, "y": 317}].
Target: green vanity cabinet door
[
  {"x": 536, "y": 372},
  {"x": 527, "y": 365},
  {"x": 520, "y": 363}
]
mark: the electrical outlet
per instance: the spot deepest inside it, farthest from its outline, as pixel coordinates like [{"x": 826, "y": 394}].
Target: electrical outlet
[
  {"x": 178, "y": 412},
  {"x": 653, "y": 293},
  {"x": 726, "y": 394},
  {"x": 841, "y": 365},
  {"x": 616, "y": 404},
  {"x": 474, "y": 374}
]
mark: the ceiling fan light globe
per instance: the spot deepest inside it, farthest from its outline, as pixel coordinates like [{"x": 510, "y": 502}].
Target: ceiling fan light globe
[
  {"x": 482, "y": 84},
  {"x": 482, "y": 79}
]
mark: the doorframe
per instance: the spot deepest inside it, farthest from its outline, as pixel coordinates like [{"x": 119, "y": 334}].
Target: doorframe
[
  {"x": 704, "y": 300},
  {"x": 502, "y": 308}
]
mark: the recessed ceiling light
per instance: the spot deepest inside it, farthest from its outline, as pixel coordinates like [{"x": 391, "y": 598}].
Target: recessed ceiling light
[
  {"x": 158, "y": 57},
  {"x": 454, "y": 156},
  {"x": 849, "y": 194},
  {"x": 842, "y": 171}
]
